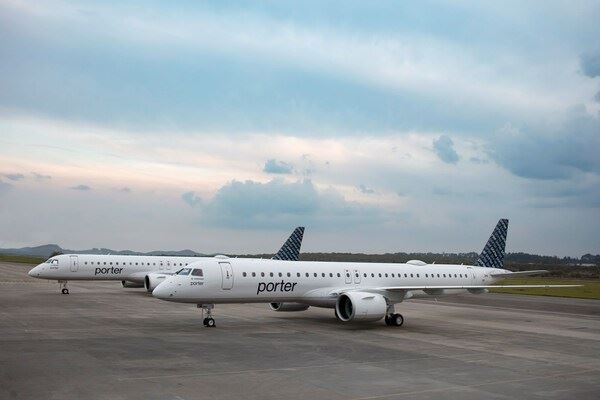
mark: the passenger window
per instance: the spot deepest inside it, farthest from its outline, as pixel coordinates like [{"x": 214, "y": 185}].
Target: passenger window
[
  {"x": 244, "y": 274},
  {"x": 253, "y": 274},
  {"x": 323, "y": 274},
  {"x": 455, "y": 275},
  {"x": 386, "y": 275},
  {"x": 380, "y": 274},
  {"x": 315, "y": 274},
  {"x": 339, "y": 275},
  {"x": 444, "y": 275},
  {"x": 104, "y": 262},
  {"x": 372, "y": 275},
  {"x": 417, "y": 275},
  {"x": 393, "y": 276},
  {"x": 262, "y": 274},
  {"x": 331, "y": 274},
  {"x": 288, "y": 274},
  {"x": 405, "y": 275},
  {"x": 298, "y": 274},
  {"x": 426, "y": 276},
  {"x": 197, "y": 272},
  {"x": 307, "y": 274},
  {"x": 411, "y": 275},
  {"x": 280, "y": 274},
  {"x": 438, "y": 275},
  {"x": 85, "y": 263},
  {"x": 271, "y": 274},
  {"x": 365, "y": 275}
]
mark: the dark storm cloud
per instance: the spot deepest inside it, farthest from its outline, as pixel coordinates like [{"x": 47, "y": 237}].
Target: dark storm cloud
[
  {"x": 273, "y": 166},
  {"x": 444, "y": 148}
]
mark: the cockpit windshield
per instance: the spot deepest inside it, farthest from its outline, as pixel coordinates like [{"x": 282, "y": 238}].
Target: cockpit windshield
[
  {"x": 52, "y": 261},
  {"x": 184, "y": 271},
  {"x": 197, "y": 272}
]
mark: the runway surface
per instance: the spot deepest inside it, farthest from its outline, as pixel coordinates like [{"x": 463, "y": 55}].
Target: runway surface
[{"x": 105, "y": 342}]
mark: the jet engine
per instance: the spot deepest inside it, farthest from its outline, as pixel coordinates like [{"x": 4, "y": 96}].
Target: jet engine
[
  {"x": 130, "y": 284},
  {"x": 152, "y": 280},
  {"x": 288, "y": 306},
  {"x": 360, "y": 306}
]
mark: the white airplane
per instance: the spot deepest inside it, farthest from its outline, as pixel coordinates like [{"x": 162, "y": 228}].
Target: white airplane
[
  {"x": 357, "y": 291},
  {"x": 136, "y": 271}
]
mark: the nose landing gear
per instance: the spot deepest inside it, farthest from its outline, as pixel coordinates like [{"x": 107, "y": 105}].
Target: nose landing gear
[
  {"x": 209, "y": 321},
  {"x": 64, "y": 288}
]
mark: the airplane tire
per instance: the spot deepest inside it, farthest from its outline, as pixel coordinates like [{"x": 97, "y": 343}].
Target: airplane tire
[
  {"x": 210, "y": 323},
  {"x": 388, "y": 321},
  {"x": 396, "y": 320},
  {"x": 65, "y": 291}
]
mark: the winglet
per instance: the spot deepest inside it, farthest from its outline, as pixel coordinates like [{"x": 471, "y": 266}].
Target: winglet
[
  {"x": 290, "y": 251},
  {"x": 492, "y": 255}
]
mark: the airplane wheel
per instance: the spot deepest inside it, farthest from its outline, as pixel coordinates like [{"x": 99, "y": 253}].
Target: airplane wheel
[
  {"x": 396, "y": 320},
  {"x": 388, "y": 321},
  {"x": 210, "y": 323},
  {"x": 65, "y": 291}
]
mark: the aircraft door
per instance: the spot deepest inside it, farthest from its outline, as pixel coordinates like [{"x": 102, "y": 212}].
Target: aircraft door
[
  {"x": 356, "y": 276},
  {"x": 348, "y": 276},
  {"x": 472, "y": 274},
  {"x": 226, "y": 275},
  {"x": 74, "y": 263}
]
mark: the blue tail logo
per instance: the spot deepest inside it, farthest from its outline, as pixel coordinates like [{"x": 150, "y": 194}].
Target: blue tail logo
[
  {"x": 290, "y": 251},
  {"x": 492, "y": 255}
]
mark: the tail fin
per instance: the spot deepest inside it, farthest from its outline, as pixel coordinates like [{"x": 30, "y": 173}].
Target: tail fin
[
  {"x": 492, "y": 255},
  {"x": 290, "y": 250}
]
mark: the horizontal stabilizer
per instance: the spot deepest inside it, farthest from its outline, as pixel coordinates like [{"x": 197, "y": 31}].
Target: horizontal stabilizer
[{"x": 521, "y": 273}]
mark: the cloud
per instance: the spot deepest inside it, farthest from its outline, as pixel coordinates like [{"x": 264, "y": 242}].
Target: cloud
[
  {"x": 279, "y": 204},
  {"x": 366, "y": 190},
  {"x": 83, "y": 188},
  {"x": 14, "y": 176},
  {"x": 191, "y": 199},
  {"x": 443, "y": 147},
  {"x": 4, "y": 187},
  {"x": 535, "y": 155},
  {"x": 590, "y": 64},
  {"x": 41, "y": 177},
  {"x": 273, "y": 166},
  {"x": 477, "y": 160},
  {"x": 597, "y": 97}
]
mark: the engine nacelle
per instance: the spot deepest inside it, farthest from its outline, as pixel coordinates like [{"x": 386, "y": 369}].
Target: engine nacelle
[
  {"x": 130, "y": 284},
  {"x": 360, "y": 306},
  {"x": 288, "y": 306},
  {"x": 152, "y": 280}
]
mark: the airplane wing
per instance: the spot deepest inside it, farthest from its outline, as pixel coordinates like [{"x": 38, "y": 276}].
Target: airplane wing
[
  {"x": 521, "y": 273},
  {"x": 381, "y": 289}
]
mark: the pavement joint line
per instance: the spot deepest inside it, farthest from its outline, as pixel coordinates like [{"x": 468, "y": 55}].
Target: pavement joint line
[
  {"x": 285, "y": 369},
  {"x": 465, "y": 387},
  {"x": 507, "y": 309}
]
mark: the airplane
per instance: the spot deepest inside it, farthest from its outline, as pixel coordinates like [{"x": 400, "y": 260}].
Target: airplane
[
  {"x": 136, "y": 271},
  {"x": 356, "y": 291}
]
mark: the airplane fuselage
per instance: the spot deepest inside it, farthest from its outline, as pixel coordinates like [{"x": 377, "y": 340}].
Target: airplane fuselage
[{"x": 313, "y": 283}]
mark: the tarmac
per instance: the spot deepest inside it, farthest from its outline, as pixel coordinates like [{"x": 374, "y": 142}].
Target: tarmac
[{"x": 103, "y": 341}]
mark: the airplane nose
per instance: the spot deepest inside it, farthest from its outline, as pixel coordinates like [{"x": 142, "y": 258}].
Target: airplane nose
[{"x": 33, "y": 272}]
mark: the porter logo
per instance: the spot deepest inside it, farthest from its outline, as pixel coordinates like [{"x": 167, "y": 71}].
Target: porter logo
[{"x": 276, "y": 286}]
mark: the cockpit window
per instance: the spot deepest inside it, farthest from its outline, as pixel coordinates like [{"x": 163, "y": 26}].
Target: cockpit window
[
  {"x": 54, "y": 262},
  {"x": 197, "y": 272},
  {"x": 184, "y": 271}
]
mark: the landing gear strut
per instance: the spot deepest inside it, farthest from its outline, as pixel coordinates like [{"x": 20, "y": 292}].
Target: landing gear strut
[
  {"x": 64, "y": 288},
  {"x": 208, "y": 321},
  {"x": 393, "y": 319}
]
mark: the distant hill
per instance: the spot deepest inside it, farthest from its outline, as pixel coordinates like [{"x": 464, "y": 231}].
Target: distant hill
[
  {"x": 512, "y": 259},
  {"x": 47, "y": 250}
]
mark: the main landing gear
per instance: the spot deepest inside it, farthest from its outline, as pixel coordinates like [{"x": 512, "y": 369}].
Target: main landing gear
[
  {"x": 208, "y": 321},
  {"x": 392, "y": 318},
  {"x": 64, "y": 288}
]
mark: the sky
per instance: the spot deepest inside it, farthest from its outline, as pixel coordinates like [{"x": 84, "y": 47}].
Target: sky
[{"x": 380, "y": 126}]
